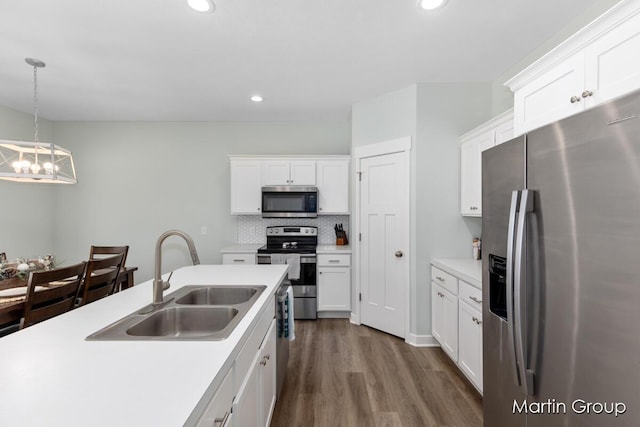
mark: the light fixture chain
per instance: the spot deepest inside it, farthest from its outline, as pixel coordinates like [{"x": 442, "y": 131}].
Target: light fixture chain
[{"x": 35, "y": 104}]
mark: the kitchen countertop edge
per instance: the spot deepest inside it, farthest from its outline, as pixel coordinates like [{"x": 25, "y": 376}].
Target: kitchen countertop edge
[{"x": 466, "y": 269}]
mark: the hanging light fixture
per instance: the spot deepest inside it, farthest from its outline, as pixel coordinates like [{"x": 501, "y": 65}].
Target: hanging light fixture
[{"x": 26, "y": 161}]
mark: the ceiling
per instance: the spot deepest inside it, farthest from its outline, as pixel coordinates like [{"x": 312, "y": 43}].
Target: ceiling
[{"x": 157, "y": 60}]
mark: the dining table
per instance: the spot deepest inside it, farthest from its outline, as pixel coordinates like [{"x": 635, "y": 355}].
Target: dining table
[{"x": 12, "y": 307}]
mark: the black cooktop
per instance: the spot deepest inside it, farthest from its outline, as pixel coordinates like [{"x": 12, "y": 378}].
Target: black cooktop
[{"x": 275, "y": 249}]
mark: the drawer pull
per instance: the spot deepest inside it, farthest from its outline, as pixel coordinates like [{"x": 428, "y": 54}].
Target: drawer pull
[
  {"x": 440, "y": 278},
  {"x": 333, "y": 261},
  {"x": 474, "y": 299},
  {"x": 239, "y": 260},
  {"x": 221, "y": 422}
]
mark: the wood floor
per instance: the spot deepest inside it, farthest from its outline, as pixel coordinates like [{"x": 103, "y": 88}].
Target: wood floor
[{"x": 346, "y": 375}]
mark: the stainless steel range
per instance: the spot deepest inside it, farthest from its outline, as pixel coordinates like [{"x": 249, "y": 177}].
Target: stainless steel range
[{"x": 295, "y": 245}]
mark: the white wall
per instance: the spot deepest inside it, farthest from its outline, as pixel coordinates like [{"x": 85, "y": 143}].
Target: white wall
[
  {"x": 137, "y": 180},
  {"x": 26, "y": 209}
]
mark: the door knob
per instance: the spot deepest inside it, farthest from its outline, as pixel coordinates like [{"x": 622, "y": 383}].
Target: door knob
[{"x": 399, "y": 254}]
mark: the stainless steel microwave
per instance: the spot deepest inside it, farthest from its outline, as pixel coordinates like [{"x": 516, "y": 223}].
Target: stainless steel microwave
[{"x": 289, "y": 202}]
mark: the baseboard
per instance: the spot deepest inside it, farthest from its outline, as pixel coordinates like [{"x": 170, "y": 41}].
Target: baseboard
[
  {"x": 354, "y": 319},
  {"x": 334, "y": 315},
  {"x": 422, "y": 340}
]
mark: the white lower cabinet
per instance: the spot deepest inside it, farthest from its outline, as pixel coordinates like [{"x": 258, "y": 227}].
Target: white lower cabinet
[
  {"x": 246, "y": 397},
  {"x": 334, "y": 282},
  {"x": 470, "y": 348},
  {"x": 218, "y": 411},
  {"x": 444, "y": 319},
  {"x": 239, "y": 258},
  {"x": 456, "y": 322},
  {"x": 256, "y": 397}
]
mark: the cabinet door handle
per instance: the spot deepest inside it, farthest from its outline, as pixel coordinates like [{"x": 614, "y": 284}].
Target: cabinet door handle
[
  {"x": 263, "y": 362},
  {"x": 440, "y": 278},
  {"x": 221, "y": 422},
  {"x": 587, "y": 93},
  {"x": 440, "y": 294},
  {"x": 574, "y": 99},
  {"x": 474, "y": 299}
]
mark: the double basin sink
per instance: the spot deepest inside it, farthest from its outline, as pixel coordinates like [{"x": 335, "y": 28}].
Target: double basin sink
[{"x": 192, "y": 313}]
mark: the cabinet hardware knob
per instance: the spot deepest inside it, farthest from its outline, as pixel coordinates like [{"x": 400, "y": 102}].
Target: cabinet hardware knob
[
  {"x": 440, "y": 278},
  {"x": 258, "y": 208},
  {"x": 474, "y": 299},
  {"x": 478, "y": 321},
  {"x": 587, "y": 93},
  {"x": 319, "y": 272},
  {"x": 268, "y": 356},
  {"x": 263, "y": 362},
  {"x": 399, "y": 254},
  {"x": 574, "y": 99},
  {"x": 475, "y": 319},
  {"x": 221, "y": 422}
]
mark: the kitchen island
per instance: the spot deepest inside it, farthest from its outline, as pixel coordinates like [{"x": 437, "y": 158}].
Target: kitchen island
[{"x": 51, "y": 376}]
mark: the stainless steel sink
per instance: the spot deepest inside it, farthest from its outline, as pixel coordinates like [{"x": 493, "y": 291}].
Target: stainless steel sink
[
  {"x": 192, "y": 313},
  {"x": 186, "y": 322},
  {"x": 219, "y": 295}
]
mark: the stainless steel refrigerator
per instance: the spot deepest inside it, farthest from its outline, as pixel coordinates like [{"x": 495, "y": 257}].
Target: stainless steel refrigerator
[{"x": 561, "y": 273}]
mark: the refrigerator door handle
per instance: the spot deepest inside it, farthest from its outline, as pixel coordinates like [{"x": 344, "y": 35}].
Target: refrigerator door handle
[
  {"x": 519, "y": 293},
  {"x": 513, "y": 211}
]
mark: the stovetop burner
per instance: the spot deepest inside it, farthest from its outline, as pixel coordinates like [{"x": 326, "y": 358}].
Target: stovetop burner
[{"x": 291, "y": 239}]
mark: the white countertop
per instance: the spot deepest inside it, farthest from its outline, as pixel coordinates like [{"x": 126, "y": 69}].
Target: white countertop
[
  {"x": 333, "y": 249},
  {"x": 467, "y": 269},
  {"x": 240, "y": 248},
  {"x": 51, "y": 376}
]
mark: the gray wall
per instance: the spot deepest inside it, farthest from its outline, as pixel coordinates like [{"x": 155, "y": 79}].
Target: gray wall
[
  {"x": 136, "y": 180},
  {"x": 445, "y": 111},
  {"x": 26, "y": 210},
  {"x": 434, "y": 115}
]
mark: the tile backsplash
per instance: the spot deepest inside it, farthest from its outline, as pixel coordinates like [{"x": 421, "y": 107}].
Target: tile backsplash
[{"x": 252, "y": 228}]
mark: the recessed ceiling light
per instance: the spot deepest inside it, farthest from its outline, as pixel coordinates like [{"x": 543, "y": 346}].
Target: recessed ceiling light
[
  {"x": 256, "y": 98},
  {"x": 431, "y": 4},
  {"x": 204, "y": 6}
]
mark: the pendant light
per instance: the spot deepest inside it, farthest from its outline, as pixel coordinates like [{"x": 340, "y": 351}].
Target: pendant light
[{"x": 35, "y": 161}]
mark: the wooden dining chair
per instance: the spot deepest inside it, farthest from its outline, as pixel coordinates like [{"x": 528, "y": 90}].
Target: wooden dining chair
[
  {"x": 99, "y": 252},
  {"x": 100, "y": 278},
  {"x": 59, "y": 297}
]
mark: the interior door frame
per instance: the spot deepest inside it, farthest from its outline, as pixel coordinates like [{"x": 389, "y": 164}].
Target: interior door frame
[{"x": 400, "y": 145}]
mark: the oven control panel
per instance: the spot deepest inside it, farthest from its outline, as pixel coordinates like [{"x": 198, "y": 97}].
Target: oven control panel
[{"x": 292, "y": 231}]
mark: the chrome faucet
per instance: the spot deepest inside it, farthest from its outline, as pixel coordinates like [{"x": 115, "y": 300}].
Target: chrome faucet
[{"x": 160, "y": 285}]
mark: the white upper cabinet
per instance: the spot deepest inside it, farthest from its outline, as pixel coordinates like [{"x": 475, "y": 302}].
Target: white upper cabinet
[
  {"x": 333, "y": 186},
  {"x": 286, "y": 172},
  {"x": 246, "y": 187},
  {"x": 329, "y": 173},
  {"x": 612, "y": 65},
  {"x": 474, "y": 143},
  {"x": 598, "y": 63}
]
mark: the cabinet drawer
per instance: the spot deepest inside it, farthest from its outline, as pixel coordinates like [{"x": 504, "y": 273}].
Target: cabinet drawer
[
  {"x": 329, "y": 260},
  {"x": 445, "y": 280},
  {"x": 219, "y": 408},
  {"x": 252, "y": 346},
  {"x": 239, "y": 258},
  {"x": 471, "y": 295}
]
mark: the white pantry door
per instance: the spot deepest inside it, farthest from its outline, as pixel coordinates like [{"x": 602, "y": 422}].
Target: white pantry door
[{"x": 384, "y": 245}]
